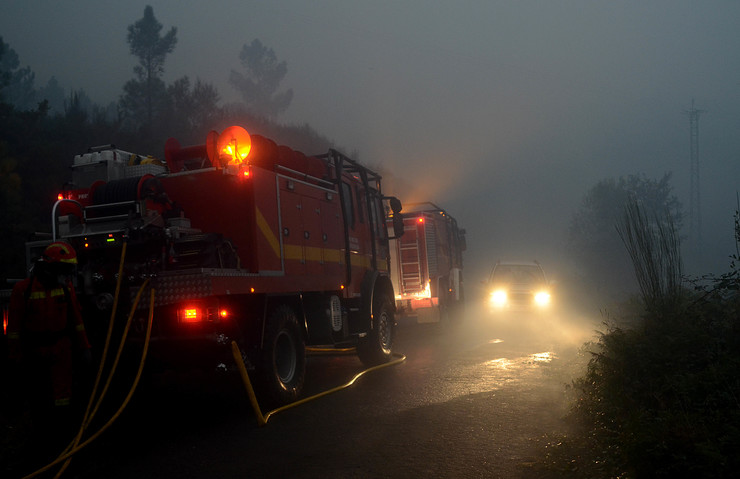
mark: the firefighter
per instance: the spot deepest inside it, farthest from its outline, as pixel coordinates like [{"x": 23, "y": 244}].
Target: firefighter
[{"x": 45, "y": 331}]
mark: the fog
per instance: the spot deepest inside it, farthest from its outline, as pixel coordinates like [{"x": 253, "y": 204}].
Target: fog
[{"x": 503, "y": 112}]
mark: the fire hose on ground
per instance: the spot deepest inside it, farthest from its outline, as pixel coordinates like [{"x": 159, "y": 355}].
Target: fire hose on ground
[{"x": 263, "y": 418}]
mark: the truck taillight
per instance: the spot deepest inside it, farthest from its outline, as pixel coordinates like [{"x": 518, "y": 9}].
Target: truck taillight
[
  {"x": 199, "y": 313},
  {"x": 190, "y": 315}
]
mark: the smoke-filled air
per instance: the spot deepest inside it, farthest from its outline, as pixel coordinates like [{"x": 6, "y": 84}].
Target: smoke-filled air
[{"x": 598, "y": 140}]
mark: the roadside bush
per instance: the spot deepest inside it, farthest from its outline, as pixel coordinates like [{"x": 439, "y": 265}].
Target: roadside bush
[{"x": 660, "y": 398}]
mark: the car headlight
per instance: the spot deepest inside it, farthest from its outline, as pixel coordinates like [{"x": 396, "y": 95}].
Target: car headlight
[
  {"x": 498, "y": 297},
  {"x": 542, "y": 298}
]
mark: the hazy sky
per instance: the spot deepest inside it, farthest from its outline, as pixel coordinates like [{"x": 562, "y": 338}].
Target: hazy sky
[{"x": 503, "y": 112}]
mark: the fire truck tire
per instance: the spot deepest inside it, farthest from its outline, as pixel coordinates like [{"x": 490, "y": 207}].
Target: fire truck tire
[
  {"x": 284, "y": 356},
  {"x": 376, "y": 347}
]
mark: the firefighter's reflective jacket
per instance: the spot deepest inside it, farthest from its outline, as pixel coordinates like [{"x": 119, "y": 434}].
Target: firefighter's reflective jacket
[{"x": 44, "y": 325}]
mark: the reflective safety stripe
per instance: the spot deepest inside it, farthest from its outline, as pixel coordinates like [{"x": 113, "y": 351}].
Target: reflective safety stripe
[
  {"x": 14, "y": 336},
  {"x": 42, "y": 294},
  {"x": 80, "y": 327},
  {"x": 267, "y": 233},
  {"x": 61, "y": 402}
]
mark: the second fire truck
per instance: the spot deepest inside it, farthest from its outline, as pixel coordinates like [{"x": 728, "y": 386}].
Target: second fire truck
[{"x": 427, "y": 263}]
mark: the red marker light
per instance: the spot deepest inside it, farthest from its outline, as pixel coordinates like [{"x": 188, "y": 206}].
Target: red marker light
[
  {"x": 60, "y": 196},
  {"x": 189, "y": 315},
  {"x": 223, "y": 314},
  {"x": 421, "y": 220}
]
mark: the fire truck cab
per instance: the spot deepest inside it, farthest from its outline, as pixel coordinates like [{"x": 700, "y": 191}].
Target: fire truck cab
[{"x": 241, "y": 239}]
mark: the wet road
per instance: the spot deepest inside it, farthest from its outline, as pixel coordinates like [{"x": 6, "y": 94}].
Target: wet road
[{"x": 473, "y": 399}]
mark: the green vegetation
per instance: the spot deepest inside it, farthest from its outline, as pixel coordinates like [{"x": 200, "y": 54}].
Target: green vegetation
[{"x": 660, "y": 397}]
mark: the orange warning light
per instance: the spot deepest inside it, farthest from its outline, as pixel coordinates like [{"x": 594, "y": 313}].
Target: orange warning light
[{"x": 233, "y": 145}]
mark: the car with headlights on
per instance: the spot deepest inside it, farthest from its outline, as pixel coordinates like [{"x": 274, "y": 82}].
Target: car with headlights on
[{"x": 518, "y": 286}]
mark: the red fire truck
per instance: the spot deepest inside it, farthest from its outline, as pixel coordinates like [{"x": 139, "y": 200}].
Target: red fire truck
[
  {"x": 427, "y": 265},
  {"x": 241, "y": 239}
]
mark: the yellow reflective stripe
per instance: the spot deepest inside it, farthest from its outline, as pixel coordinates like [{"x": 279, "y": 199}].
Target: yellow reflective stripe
[
  {"x": 61, "y": 402},
  {"x": 14, "y": 336},
  {"x": 42, "y": 294},
  {"x": 267, "y": 233},
  {"x": 293, "y": 251},
  {"x": 80, "y": 327},
  {"x": 361, "y": 260},
  {"x": 313, "y": 253},
  {"x": 333, "y": 255}
]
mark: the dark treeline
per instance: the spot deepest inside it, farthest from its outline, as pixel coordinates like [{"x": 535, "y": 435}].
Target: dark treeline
[{"x": 42, "y": 128}]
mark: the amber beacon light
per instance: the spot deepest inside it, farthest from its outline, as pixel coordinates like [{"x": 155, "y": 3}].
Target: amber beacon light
[{"x": 233, "y": 145}]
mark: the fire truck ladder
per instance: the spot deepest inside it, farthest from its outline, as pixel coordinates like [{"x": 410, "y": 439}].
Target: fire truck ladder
[{"x": 410, "y": 269}]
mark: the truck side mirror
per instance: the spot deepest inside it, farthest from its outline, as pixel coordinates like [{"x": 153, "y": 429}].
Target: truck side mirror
[
  {"x": 397, "y": 225},
  {"x": 395, "y": 205}
]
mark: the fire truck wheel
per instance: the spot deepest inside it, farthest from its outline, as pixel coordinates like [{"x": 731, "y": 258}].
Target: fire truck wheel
[
  {"x": 284, "y": 359},
  {"x": 376, "y": 347}
]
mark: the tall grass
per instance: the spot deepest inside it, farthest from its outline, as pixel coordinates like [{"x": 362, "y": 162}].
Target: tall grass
[
  {"x": 660, "y": 398},
  {"x": 655, "y": 250}
]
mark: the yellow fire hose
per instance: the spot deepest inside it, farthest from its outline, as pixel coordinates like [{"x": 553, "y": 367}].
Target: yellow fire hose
[
  {"x": 262, "y": 419},
  {"x": 67, "y": 455},
  {"x": 87, "y": 416},
  {"x": 75, "y": 445}
]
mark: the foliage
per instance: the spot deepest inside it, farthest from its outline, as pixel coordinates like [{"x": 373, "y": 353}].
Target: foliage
[
  {"x": 662, "y": 398},
  {"x": 149, "y": 46},
  {"x": 16, "y": 84},
  {"x": 144, "y": 97},
  {"x": 4, "y": 69},
  {"x": 191, "y": 110},
  {"x": 259, "y": 85},
  {"x": 654, "y": 248},
  {"x": 54, "y": 94},
  {"x": 592, "y": 243}
]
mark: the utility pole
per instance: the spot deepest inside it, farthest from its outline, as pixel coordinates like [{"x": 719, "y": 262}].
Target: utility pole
[{"x": 695, "y": 195}]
